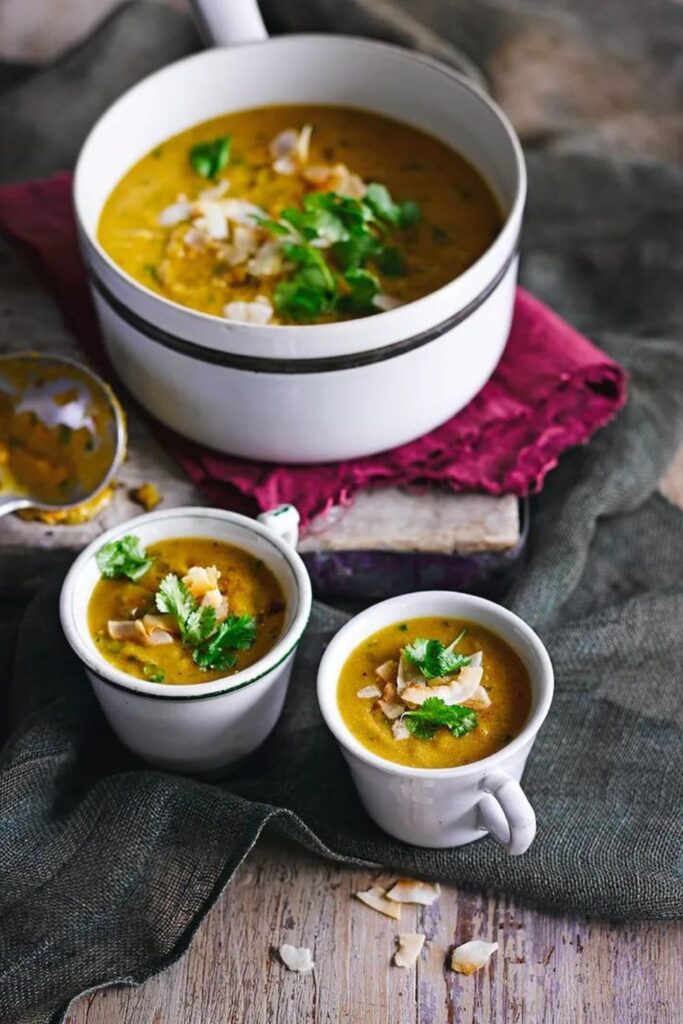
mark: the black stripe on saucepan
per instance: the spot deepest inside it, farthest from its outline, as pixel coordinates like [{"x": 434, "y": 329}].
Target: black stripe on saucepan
[{"x": 324, "y": 364}]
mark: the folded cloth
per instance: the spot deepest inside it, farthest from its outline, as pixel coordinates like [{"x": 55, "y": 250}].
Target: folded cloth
[{"x": 552, "y": 389}]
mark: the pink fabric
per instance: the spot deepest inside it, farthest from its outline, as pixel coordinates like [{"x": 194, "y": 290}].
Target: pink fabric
[{"x": 552, "y": 389}]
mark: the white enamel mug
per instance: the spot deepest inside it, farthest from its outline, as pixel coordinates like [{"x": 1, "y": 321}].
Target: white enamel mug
[
  {"x": 443, "y": 807},
  {"x": 285, "y": 393},
  {"x": 202, "y": 726}
]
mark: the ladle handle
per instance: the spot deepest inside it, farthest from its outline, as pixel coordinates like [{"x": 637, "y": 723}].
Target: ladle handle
[
  {"x": 12, "y": 503},
  {"x": 229, "y": 22}
]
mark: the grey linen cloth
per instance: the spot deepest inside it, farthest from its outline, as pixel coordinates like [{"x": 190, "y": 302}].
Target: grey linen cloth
[{"x": 107, "y": 867}]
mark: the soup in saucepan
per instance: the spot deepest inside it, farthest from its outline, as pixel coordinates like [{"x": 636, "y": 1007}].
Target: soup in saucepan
[
  {"x": 295, "y": 214},
  {"x": 185, "y": 610},
  {"x": 434, "y": 693}
]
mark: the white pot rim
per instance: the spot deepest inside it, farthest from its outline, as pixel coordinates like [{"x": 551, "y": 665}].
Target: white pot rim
[
  {"x": 386, "y": 612},
  {"x": 459, "y": 290},
  {"x": 107, "y": 672}
]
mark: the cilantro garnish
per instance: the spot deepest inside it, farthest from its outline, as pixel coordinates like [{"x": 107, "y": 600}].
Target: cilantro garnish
[
  {"x": 208, "y": 158},
  {"x": 173, "y": 598},
  {"x": 338, "y": 237},
  {"x": 213, "y": 643},
  {"x": 423, "y": 722},
  {"x": 124, "y": 557},
  {"x": 363, "y": 286},
  {"x": 237, "y": 633},
  {"x": 433, "y": 659}
]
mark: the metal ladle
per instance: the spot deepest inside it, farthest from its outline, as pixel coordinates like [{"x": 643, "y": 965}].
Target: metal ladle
[{"x": 47, "y": 378}]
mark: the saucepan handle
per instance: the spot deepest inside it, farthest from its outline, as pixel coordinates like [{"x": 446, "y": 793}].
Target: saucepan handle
[
  {"x": 284, "y": 521},
  {"x": 229, "y": 22},
  {"x": 506, "y": 813}
]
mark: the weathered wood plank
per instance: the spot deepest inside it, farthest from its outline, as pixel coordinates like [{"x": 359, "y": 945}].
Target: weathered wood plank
[{"x": 550, "y": 968}]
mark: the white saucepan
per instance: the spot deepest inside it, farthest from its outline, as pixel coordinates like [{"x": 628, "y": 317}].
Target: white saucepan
[{"x": 304, "y": 393}]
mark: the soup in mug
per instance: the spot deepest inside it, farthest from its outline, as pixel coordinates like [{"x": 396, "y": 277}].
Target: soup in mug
[
  {"x": 434, "y": 693},
  {"x": 185, "y": 610},
  {"x": 298, "y": 214}
]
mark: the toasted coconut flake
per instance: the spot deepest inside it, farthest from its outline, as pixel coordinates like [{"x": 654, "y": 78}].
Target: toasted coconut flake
[
  {"x": 388, "y": 671},
  {"x": 174, "y": 214},
  {"x": 400, "y": 730},
  {"x": 240, "y": 211},
  {"x": 219, "y": 602},
  {"x": 158, "y": 637},
  {"x": 216, "y": 191},
  {"x": 384, "y": 302},
  {"x": 268, "y": 260},
  {"x": 477, "y": 659},
  {"x": 290, "y": 149},
  {"x": 479, "y": 700},
  {"x": 165, "y": 622},
  {"x": 469, "y": 957},
  {"x": 390, "y": 709},
  {"x": 369, "y": 692},
  {"x": 336, "y": 179},
  {"x": 296, "y": 958},
  {"x": 409, "y": 948},
  {"x": 200, "y": 579},
  {"x": 244, "y": 241},
  {"x": 408, "y": 673},
  {"x": 409, "y": 890},
  {"x": 194, "y": 239},
  {"x": 457, "y": 691},
  {"x": 259, "y": 311},
  {"x": 131, "y": 630},
  {"x": 375, "y": 898},
  {"x": 212, "y": 220}
]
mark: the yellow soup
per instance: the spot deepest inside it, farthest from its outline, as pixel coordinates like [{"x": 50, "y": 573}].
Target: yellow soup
[
  {"x": 175, "y": 224},
  {"x": 247, "y": 584},
  {"x": 504, "y": 679}
]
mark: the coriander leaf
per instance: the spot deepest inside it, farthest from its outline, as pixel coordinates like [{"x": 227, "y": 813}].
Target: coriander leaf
[
  {"x": 363, "y": 286},
  {"x": 124, "y": 557},
  {"x": 237, "y": 633},
  {"x": 410, "y": 213},
  {"x": 315, "y": 222},
  {"x": 391, "y": 260},
  {"x": 355, "y": 251},
  {"x": 403, "y": 215},
  {"x": 423, "y": 721},
  {"x": 311, "y": 291},
  {"x": 275, "y": 227},
  {"x": 378, "y": 198},
  {"x": 433, "y": 659},
  {"x": 173, "y": 598},
  {"x": 208, "y": 158}
]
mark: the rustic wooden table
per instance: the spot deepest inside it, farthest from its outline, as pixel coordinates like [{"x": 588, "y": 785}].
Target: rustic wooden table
[{"x": 550, "y": 968}]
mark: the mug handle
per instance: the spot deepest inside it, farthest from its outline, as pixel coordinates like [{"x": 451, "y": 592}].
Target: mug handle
[
  {"x": 284, "y": 521},
  {"x": 506, "y": 813},
  {"x": 229, "y": 22}
]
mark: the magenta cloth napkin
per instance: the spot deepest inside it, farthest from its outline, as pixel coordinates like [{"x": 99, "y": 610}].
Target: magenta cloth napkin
[{"x": 552, "y": 389}]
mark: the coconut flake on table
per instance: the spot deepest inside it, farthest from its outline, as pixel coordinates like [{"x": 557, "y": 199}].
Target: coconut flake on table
[
  {"x": 290, "y": 148},
  {"x": 259, "y": 311},
  {"x": 296, "y": 958},
  {"x": 375, "y": 898},
  {"x": 369, "y": 692},
  {"x": 471, "y": 956},
  {"x": 409, "y": 948},
  {"x": 457, "y": 691},
  {"x": 410, "y": 890}
]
